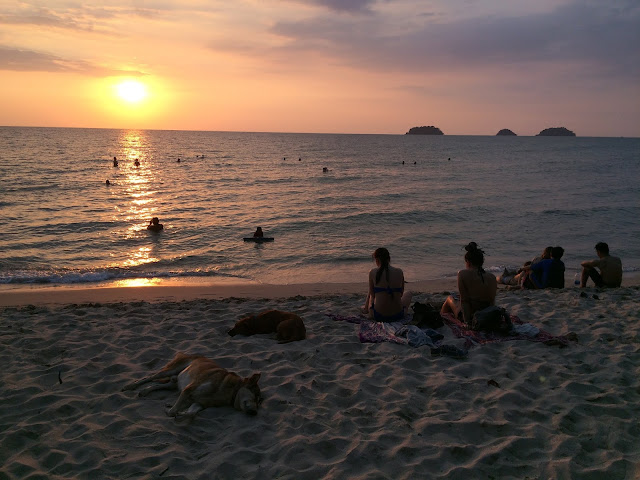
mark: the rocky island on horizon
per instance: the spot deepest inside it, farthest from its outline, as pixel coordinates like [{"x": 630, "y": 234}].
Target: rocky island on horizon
[
  {"x": 556, "y": 132},
  {"x": 507, "y": 132},
  {"x": 430, "y": 130}
]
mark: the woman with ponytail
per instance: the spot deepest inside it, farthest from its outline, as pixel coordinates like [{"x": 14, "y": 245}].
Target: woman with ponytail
[
  {"x": 386, "y": 301},
  {"x": 477, "y": 288}
]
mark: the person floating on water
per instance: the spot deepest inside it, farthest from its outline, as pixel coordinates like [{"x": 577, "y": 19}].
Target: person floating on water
[
  {"x": 137, "y": 163},
  {"x": 115, "y": 162},
  {"x": 258, "y": 233},
  {"x": 155, "y": 225}
]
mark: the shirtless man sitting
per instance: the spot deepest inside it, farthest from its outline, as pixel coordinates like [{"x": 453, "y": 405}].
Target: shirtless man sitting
[
  {"x": 477, "y": 288},
  {"x": 610, "y": 274}
]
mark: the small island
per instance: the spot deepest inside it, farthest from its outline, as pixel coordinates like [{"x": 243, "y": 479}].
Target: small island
[
  {"x": 506, "y": 131},
  {"x": 556, "y": 132},
  {"x": 430, "y": 130}
]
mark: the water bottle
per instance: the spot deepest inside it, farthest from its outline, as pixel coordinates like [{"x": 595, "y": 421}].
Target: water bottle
[{"x": 576, "y": 279}]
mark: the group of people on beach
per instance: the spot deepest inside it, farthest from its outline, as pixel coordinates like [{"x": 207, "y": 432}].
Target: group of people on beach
[{"x": 388, "y": 301}]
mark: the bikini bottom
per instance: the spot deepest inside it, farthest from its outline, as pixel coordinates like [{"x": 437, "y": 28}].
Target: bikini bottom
[{"x": 387, "y": 318}]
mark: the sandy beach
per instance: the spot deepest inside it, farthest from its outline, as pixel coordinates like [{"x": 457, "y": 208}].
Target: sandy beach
[{"x": 334, "y": 407}]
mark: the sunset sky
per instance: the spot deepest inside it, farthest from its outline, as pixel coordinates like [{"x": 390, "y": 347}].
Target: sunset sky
[{"x": 344, "y": 66}]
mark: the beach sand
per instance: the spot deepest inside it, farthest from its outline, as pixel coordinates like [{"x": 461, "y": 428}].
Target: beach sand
[{"x": 333, "y": 407}]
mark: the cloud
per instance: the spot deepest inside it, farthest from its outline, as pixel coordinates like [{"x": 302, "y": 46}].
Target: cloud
[
  {"x": 19, "y": 60},
  {"x": 597, "y": 35},
  {"x": 351, "y": 6},
  {"x": 83, "y": 19}
]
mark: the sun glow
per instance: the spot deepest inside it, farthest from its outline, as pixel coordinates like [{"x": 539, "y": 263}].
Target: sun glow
[{"x": 132, "y": 91}]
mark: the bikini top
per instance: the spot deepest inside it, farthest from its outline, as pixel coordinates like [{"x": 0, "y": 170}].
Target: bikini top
[{"x": 389, "y": 290}]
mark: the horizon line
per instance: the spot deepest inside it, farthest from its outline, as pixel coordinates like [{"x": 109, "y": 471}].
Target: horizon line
[{"x": 320, "y": 133}]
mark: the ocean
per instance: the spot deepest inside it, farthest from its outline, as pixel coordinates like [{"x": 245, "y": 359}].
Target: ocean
[{"x": 422, "y": 197}]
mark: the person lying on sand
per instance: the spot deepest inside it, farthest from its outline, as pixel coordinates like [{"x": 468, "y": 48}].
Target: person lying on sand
[
  {"x": 387, "y": 300},
  {"x": 477, "y": 288}
]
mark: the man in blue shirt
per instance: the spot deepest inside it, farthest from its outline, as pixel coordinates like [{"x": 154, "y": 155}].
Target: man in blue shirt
[{"x": 548, "y": 273}]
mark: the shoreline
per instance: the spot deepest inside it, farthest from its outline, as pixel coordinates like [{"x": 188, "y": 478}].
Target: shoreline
[
  {"x": 176, "y": 290},
  {"x": 185, "y": 291}
]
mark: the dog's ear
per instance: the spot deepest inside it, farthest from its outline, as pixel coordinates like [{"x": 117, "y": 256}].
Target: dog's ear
[{"x": 253, "y": 380}]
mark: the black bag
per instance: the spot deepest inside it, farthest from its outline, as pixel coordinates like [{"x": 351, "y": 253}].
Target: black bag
[
  {"x": 492, "y": 319},
  {"x": 426, "y": 315}
]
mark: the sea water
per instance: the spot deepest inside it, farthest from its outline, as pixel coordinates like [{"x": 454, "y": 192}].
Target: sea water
[{"x": 422, "y": 197}]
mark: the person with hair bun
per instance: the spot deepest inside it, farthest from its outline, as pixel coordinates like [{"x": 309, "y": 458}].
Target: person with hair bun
[
  {"x": 477, "y": 288},
  {"x": 387, "y": 300}
]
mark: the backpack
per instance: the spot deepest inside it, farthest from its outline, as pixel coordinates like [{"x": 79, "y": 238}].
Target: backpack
[
  {"x": 492, "y": 319},
  {"x": 426, "y": 315}
]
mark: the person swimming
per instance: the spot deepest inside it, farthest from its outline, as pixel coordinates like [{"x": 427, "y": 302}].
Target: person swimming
[
  {"x": 115, "y": 162},
  {"x": 155, "y": 225},
  {"x": 136, "y": 162}
]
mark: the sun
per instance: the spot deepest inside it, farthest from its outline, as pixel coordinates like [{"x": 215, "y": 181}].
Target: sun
[{"x": 132, "y": 91}]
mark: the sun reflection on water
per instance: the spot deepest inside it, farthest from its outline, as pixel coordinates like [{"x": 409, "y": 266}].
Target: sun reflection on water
[
  {"x": 138, "y": 282},
  {"x": 138, "y": 181}
]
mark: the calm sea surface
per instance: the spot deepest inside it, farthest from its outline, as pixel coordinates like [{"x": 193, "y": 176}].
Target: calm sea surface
[{"x": 422, "y": 197}]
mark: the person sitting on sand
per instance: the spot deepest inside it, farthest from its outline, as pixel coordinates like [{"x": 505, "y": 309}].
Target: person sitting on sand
[
  {"x": 387, "y": 300},
  {"x": 258, "y": 233},
  {"x": 610, "y": 274},
  {"x": 477, "y": 288},
  {"x": 547, "y": 273},
  {"x": 155, "y": 225},
  {"x": 514, "y": 278}
]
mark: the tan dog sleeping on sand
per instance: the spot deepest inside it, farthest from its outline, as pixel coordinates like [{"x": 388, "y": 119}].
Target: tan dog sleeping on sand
[
  {"x": 202, "y": 383},
  {"x": 288, "y": 326}
]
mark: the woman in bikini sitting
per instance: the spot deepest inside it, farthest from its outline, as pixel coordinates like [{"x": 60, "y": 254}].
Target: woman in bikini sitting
[
  {"x": 477, "y": 288},
  {"x": 387, "y": 301}
]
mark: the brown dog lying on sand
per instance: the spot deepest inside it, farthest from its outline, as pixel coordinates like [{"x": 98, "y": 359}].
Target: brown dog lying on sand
[
  {"x": 288, "y": 326},
  {"x": 202, "y": 383}
]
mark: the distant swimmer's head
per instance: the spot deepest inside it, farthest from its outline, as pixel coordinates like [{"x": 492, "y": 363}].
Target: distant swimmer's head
[
  {"x": 107, "y": 183},
  {"x": 474, "y": 255}
]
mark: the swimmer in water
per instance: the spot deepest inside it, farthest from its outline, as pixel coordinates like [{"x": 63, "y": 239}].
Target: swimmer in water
[{"x": 155, "y": 225}]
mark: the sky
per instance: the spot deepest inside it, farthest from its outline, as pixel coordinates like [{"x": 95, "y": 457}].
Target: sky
[{"x": 323, "y": 66}]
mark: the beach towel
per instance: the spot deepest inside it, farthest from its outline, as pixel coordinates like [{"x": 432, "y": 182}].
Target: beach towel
[
  {"x": 520, "y": 331},
  {"x": 401, "y": 333}
]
